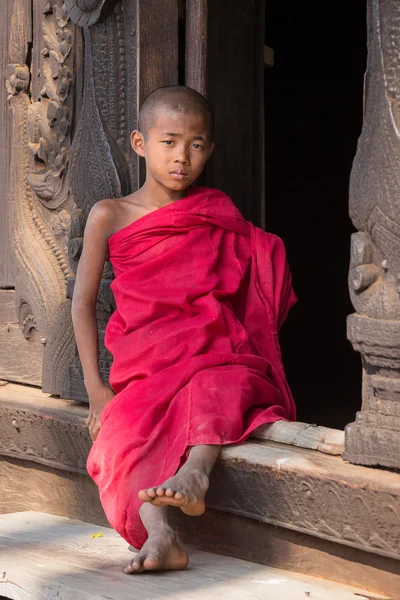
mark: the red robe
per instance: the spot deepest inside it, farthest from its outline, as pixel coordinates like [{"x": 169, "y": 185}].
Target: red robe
[{"x": 200, "y": 294}]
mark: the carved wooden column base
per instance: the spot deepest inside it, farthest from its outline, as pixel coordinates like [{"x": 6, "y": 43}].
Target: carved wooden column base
[{"x": 374, "y": 438}]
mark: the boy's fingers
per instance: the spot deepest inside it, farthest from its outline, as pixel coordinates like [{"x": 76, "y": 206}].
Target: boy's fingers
[
  {"x": 92, "y": 434},
  {"x": 94, "y": 429}
]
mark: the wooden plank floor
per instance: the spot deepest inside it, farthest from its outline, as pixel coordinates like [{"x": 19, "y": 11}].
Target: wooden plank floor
[{"x": 54, "y": 558}]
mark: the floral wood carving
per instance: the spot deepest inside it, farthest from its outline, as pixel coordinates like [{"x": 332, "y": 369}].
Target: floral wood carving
[
  {"x": 42, "y": 203},
  {"x": 87, "y": 12}
]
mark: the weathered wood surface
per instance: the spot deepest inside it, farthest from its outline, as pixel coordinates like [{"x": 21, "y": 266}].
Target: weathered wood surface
[
  {"x": 20, "y": 359},
  {"x": 41, "y": 53},
  {"x": 311, "y": 493},
  {"x": 6, "y": 251},
  {"x": 374, "y": 438},
  {"x": 7, "y": 307},
  {"x": 232, "y": 535},
  {"x": 43, "y": 429},
  {"x": 196, "y": 45},
  {"x": 299, "y": 489},
  {"x": 29, "y": 486},
  {"x": 61, "y": 559},
  {"x": 303, "y": 435}
]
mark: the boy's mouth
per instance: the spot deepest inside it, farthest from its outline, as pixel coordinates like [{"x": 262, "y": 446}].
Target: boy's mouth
[{"x": 179, "y": 174}]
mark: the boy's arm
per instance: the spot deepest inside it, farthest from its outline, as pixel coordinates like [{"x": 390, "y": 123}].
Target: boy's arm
[{"x": 90, "y": 269}]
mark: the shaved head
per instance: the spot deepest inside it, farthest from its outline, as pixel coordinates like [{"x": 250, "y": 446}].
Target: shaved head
[{"x": 174, "y": 99}]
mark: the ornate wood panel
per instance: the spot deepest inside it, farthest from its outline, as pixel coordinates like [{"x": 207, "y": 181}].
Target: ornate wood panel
[
  {"x": 375, "y": 250},
  {"x": 39, "y": 84},
  {"x": 6, "y": 254},
  {"x": 70, "y": 148}
]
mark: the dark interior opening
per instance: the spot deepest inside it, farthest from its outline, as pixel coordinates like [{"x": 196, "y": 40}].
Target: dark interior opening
[{"x": 313, "y": 118}]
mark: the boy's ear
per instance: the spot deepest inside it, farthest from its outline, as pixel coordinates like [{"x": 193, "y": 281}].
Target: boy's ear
[{"x": 137, "y": 142}]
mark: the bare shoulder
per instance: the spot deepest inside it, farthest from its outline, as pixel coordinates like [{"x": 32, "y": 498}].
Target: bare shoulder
[
  {"x": 104, "y": 210},
  {"x": 102, "y": 217},
  {"x": 109, "y": 216}
]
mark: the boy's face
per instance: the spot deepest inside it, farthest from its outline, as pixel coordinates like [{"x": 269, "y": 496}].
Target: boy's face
[{"x": 176, "y": 148}]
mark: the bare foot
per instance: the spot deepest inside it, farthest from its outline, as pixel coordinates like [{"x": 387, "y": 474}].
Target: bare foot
[
  {"x": 185, "y": 490},
  {"x": 161, "y": 552}
]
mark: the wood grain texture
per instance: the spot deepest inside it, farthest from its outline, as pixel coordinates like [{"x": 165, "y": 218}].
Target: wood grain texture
[
  {"x": 20, "y": 359},
  {"x": 6, "y": 251},
  {"x": 233, "y": 535},
  {"x": 196, "y": 45},
  {"x": 28, "y": 486},
  {"x": 73, "y": 564},
  {"x": 7, "y": 307},
  {"x": 294, "y": 488},
  {"x": 303, "y": 435}
]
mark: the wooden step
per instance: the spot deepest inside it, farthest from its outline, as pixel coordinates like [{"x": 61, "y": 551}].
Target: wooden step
[
  {"x": 273, "y": 504},
  {"x": 43, "y": 556}
]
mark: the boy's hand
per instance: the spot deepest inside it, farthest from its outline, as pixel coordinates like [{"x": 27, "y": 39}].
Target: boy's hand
[{"x": 98, "y": 400}]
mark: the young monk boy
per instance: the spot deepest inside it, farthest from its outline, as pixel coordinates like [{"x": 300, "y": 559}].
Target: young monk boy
[{"x": 200, "y": 295}]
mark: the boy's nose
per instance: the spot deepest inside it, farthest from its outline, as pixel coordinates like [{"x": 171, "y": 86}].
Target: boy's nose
[{"x": 182, "y": 157}]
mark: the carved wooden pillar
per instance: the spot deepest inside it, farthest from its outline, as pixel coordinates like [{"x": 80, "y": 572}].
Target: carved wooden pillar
[
  {"x": 374, "y": 438},
  {"x": 39, "y": 84},
  {"x": 130, "y": 48}
]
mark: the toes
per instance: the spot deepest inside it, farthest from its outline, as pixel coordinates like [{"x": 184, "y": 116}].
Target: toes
[
  {"x": 152, "y": 562},
  {"x": 134, "y": 567},
  {"x": 147, "y": 495},
  {"x": 163, "y": 494},
  {"x": 138, "y": 565},
  {"x": 143, "y": 495}
]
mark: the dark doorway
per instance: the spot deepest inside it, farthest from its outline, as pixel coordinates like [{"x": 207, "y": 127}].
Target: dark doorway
[{"x": 313, "y": 117}]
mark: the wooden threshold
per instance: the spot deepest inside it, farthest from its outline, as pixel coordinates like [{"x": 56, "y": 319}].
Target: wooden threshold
[
  {"x": 295, "y": 488},
  {"x": 30, "y": 486},
  {"x": 64, "y": 559}
]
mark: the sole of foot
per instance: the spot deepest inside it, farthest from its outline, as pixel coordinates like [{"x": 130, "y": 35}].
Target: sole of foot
[{"x": 171, "y": 494}]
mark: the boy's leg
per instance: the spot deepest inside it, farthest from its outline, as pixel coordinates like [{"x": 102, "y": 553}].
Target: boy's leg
[
  {"x": 188, "y": 487},
  {"x": 161, "y": 550}
]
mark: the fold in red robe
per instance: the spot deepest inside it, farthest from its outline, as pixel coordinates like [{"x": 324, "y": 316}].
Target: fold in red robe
[{"x": 200, "y": 295}]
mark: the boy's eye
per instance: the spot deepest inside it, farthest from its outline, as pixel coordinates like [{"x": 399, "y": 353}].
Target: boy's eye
[
  {"x": 167, "y": 142},
  {"x": 197, "y": 146}
]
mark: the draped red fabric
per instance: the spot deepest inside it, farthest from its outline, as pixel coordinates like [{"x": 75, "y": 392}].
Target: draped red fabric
[{"x": 200, "y": 295}]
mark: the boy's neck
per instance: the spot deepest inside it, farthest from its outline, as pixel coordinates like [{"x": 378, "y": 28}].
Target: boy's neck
[{"x": 156, "y": 194}]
